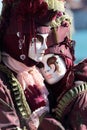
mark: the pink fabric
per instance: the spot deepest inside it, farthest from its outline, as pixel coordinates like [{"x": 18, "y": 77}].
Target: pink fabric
[
  {"x": 81, "y": 70},
  {"x": 8, "y": 116},
  {"x": 49, "y": 123},
  {"x": 76, "y": 112},
  {"x": 27, "y": 76},
  {"x": 31, "y": 80},
  {"x": 65, "y": 31}
]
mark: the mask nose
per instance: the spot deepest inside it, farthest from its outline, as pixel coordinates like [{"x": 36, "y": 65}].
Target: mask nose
[{"x": 44, "y": 44}]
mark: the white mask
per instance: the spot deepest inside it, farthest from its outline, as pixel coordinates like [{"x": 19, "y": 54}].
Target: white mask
[
  {"x": 53, "y": 68},
  {"x": 37, "y": 47}
]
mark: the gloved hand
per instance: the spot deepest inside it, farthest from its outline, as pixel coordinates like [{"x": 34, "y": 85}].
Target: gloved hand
[{"x": 34, "y": 97}]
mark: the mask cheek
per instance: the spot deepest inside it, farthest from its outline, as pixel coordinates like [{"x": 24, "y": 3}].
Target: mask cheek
[
  {"x": 38, "y": 46},
  {"x": 30, "y": 50}
]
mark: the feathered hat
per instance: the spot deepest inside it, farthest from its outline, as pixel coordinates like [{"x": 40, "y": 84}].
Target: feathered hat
[{"x": 59, "y": 39}]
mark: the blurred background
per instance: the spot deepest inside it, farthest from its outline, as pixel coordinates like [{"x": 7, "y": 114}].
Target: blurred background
[{"x": 79, "y": 12}]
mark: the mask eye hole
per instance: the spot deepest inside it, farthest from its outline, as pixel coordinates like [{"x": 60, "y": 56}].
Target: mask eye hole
[
  {"x": 40, "y": 65},
  {"x": 39, "y": 38}
]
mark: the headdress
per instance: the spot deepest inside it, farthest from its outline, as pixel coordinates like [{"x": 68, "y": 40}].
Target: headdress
[
  {"x": 59, "y": 40},
  {"x": 19, "y": 22},
  {"x": 65, "y": 49}
]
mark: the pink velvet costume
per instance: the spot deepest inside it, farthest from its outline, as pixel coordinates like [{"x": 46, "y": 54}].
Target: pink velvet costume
[
  {"x": 20, "y": 20},
  {"x": 68, "y": 97}
]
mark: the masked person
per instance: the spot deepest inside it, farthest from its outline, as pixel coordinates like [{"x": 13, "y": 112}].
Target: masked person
[
  {"x": 66, "y": 83},
  {"x": 68, "y": 90},
  {"x": 23, "y": 32}
]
